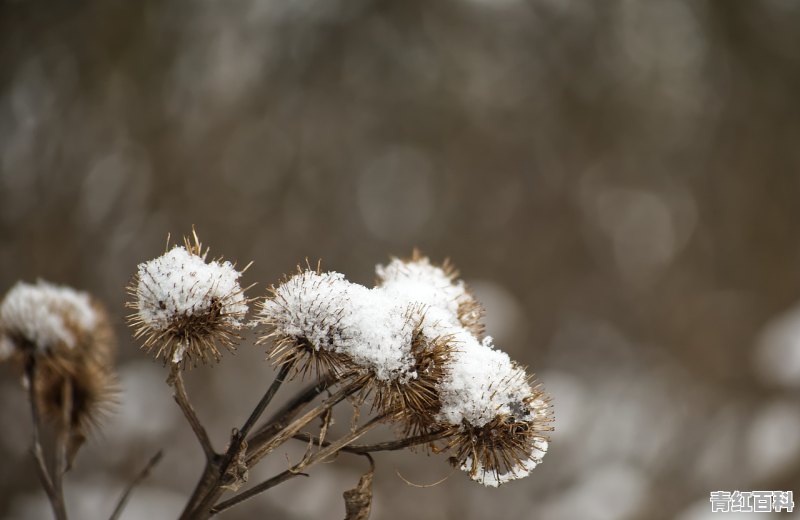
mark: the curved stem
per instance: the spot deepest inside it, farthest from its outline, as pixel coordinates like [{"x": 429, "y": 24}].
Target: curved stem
[
  {"x": 330, "y": 449},
  {"x": 394, "y": 445},
  {"x": 182, "y": 398},
  {"x": 289, "y": 411},
  {"x": 209, "y": 488}
]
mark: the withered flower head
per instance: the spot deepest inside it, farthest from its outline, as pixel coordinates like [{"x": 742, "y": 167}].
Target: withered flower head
[
  {"x": 416, "y": 338},
  {"x": 185, "y": 306},
  {"x": 500, "y": 422},
  {"x": 46, "y": 319},
  {"x": 414, "y": 400},
  {"x": 302, "y": 317},
  {"x": 66, "y": 336},
  {"x": 418, "y": 279},
  {"x": 321, "y": 321}
]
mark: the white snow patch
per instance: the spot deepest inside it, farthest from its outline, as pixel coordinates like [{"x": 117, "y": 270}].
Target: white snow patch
[
  {"x": 420, "y": 281},
  {"x": 46, "y": 314},
  {"x": 481, "y": 382},
  {"x": 180, "y": 283}
]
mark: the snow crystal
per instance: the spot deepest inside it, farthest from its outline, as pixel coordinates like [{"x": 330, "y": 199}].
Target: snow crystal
[
  {"x": 492, "y": 478},
  {"x": 180, "y": 283},
  {"x": 47, "y": 315}
]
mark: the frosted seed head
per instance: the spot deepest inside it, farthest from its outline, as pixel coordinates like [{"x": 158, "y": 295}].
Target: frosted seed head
[
  {"x": 43, "y": 318},
  {"x": 418, "y": 280},
  {"x": 65, "y": 337},
  {"x": 185, "y": 306}
]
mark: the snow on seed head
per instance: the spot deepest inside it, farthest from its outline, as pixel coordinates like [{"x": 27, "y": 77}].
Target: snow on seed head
[
  {"x": 43, "y": 317},
  {"x": 303, "y": 318},
  {"x": 320, "y": 321},
  {"x": 64, "y": 339},
  {"x": 418, "y": 280},
  {"x": 184, "y": 306},
  {"x": 499, "y": 421}
]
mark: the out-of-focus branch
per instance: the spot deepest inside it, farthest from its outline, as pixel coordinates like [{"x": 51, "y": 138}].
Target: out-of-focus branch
[{"x": 123, "y": 499}]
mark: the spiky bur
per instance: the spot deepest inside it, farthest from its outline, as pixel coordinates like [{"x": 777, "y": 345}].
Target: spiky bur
[
  {"x": 415, "y": 402},
  {"x": 496, "y": 422},
  {"x": 67, "y": 335},
  {"x": 185, "y": 307},
  {"x": 417, "y": 279},
  {"x": 499, "y": 420},
  {"x": 302, "y": 317},
  {"x": 417, "y": 336}
]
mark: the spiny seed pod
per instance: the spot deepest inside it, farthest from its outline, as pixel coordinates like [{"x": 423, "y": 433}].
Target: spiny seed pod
[
  {"x": 499, "y": 421},
  {"x": 509, "y": 446},
  {"x": 417, "y": 279},
  {"x": 415, "y": 402},
  {"x": 91, "y": 387},
  {"x": 43, "y": 319},
  {"x": 185, "y": 306},
  {"x": 64, "y": 338},
  {"x": 302, "y": 317}
]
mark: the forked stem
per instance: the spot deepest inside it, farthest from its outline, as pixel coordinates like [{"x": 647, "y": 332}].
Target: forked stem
[{"x": 331, "y": 449}]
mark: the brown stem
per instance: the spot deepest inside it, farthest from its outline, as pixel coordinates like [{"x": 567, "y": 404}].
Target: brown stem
[
  {"x": 62, "y": 438},
  {"x": 209, "y": 489},
  {"x": 289, "y": 411},
  {"x": 330, "y": 449},
  {"x": 262, "y": 405},
  {"x": 394, "y": 445},
  {"x": 123, "y": 499},
  {"x": 259, "y": 452},
  {"x": 182, "y": 398},
  {"x": 59, "y": 511},
  {"x": 255, "y": 490}
]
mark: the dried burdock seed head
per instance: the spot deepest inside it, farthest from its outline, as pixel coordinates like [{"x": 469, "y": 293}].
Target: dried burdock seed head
[
  {"x": 322, "y": 321},
  {"x": 92, "y": 388},
  {"x": 417, "y": 279},
  {"x": 65, "y": 340},
  {"x": 186, "y": 306},
  {"x": 88, "y": 389},
  {"x": 43, "y": 319},
  {"x": 509, "y": 446},
  {"x": 500, "y": 422},
  {"x": 302, "y": 317},
  {"x": 415, "y": 401}
]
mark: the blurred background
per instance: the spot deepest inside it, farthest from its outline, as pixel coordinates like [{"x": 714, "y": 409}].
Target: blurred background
[{"x": 618, "y": 181}]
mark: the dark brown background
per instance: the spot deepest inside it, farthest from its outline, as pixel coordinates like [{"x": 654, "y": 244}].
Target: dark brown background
[{"x": 618, "y": 181}]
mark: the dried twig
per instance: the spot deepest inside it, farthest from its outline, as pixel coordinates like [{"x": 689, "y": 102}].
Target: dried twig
[
  {"x": 216, "y": 473},
  {"x": 181, "y": 397},
  {"x": 259, "y": 452},
  {"x": 289, "y": 411},
  {"x": 331, "y": 449},
  {"x": 62, "y": 438},
  {"x": 123, "y": 499},
  {"x": 36, "y": 449},
  {"x": 394, "y": 445}
]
